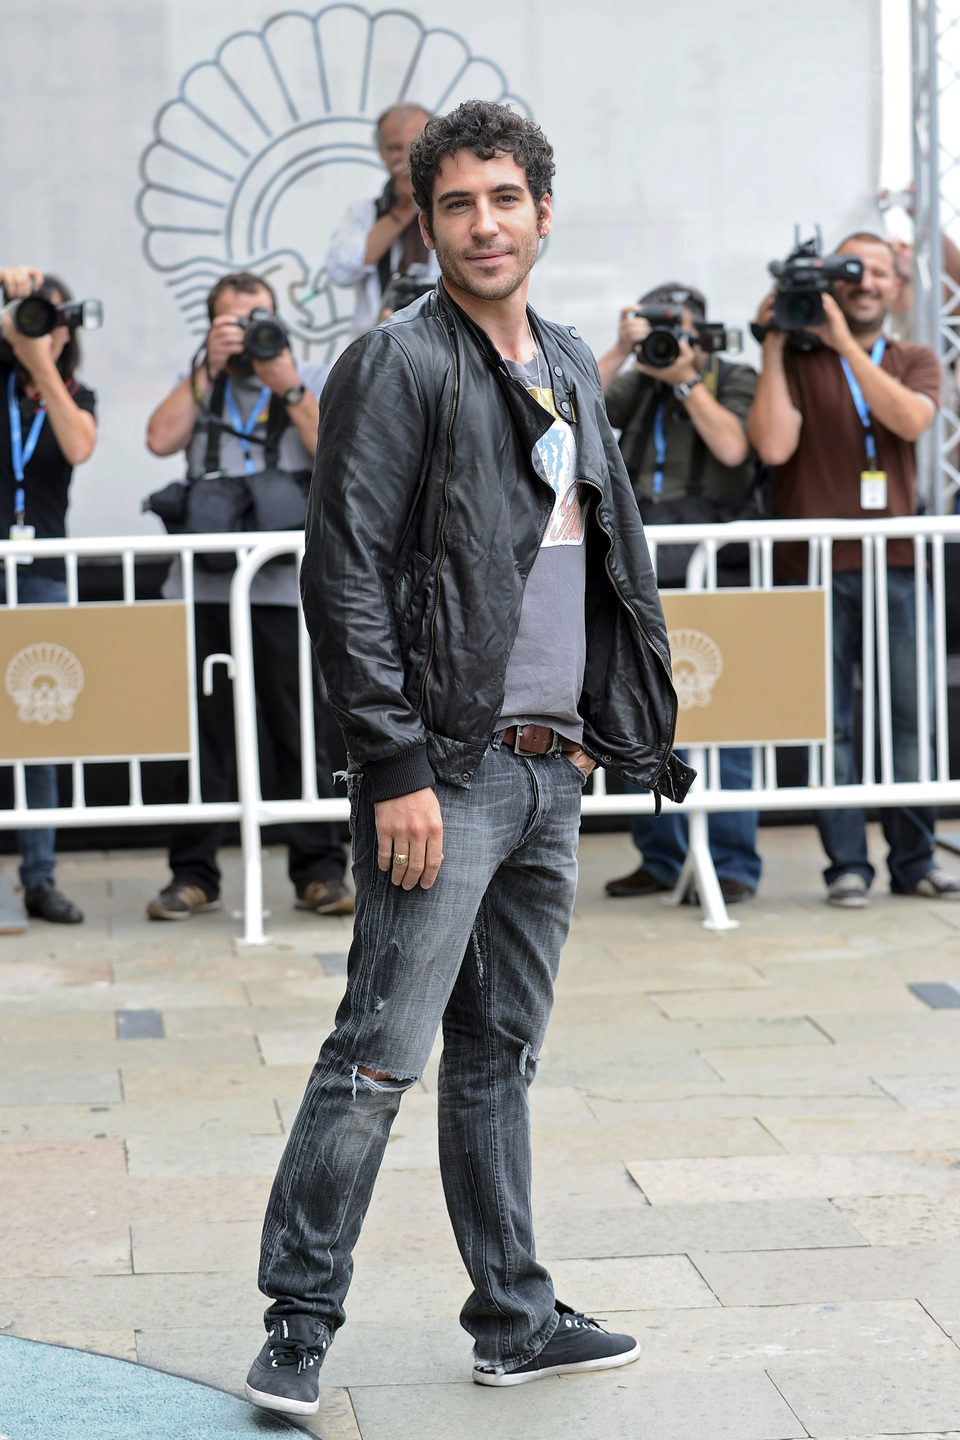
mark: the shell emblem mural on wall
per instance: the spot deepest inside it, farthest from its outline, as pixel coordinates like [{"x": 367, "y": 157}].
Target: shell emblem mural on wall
[{"x": 266, "y": 145}]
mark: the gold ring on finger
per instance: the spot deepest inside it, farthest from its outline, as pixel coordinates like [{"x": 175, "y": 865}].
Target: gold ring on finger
[{"x": 401, "y": 860}]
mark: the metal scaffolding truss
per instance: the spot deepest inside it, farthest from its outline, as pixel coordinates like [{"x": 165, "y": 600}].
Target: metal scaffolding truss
[{"x": 935, "y": 55}]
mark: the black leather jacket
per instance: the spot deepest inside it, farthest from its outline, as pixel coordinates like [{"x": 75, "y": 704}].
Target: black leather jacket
[{"x": 426, "y": 514}]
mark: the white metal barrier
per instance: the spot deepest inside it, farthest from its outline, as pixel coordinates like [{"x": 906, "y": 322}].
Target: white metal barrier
[{"x": 929, "y": 536}]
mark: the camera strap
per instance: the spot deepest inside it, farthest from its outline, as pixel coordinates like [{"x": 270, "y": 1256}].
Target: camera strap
[
  {"x": 20, "y": 453},
  {"x": 659, "y": 447},
  {"x": 863, "y": 409},
  {"x": 244, "y": 429}
]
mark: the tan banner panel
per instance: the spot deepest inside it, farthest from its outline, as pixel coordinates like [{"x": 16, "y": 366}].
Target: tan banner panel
[
  {"x": 749, "y": 666},
  {"x": 93, "y": 681}
]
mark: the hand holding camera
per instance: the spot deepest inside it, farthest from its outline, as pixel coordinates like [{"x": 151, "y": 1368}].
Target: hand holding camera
[
  {"x": 29, "y": 321},
  {"x": 258, "y": 344}
]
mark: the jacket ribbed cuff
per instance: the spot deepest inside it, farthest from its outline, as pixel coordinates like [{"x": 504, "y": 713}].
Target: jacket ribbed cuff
[{"x": 399, "y": 774}]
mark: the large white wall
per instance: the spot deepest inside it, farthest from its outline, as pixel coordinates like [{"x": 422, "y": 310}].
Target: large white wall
[{"x": 690, "y": 137}]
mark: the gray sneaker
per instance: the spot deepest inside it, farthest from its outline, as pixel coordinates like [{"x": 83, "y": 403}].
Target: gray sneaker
[
  {"x": 286, "y": 1374},
  {"x": 848, "y": 890},
  {"x": 937, "y": 885},
  {"x": 578, "y": 1343}
]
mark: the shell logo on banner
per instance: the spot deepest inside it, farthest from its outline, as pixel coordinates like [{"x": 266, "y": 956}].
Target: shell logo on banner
[
  {"x": 697, "y": 666},
  {"x": 43, "y": 681},
  {"x": 267, "y": 144}
]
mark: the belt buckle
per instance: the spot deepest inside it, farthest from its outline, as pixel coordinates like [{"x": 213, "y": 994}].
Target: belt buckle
[{"x": 520, "y": 749}]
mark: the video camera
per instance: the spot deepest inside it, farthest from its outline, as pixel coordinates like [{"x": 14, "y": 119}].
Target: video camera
[
  {"x": 661, "y": 347},
  {"x": 802, "y": 280},
  {"x": 405, "y": 287},
  {"x": 265, "y": 337}
]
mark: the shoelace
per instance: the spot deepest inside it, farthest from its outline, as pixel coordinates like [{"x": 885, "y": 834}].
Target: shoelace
[
  {"x": 293, "y": 1352},
  {"x": 579, "y": 1321}
]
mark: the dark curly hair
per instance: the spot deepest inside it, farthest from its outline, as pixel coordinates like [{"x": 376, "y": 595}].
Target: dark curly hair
[{"x": 487, "y": 129}]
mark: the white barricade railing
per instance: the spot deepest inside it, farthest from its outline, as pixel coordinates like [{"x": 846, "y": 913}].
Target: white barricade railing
[{"x": 928, "y": 535}]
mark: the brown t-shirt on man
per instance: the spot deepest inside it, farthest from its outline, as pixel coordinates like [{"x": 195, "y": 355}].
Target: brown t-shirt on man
[{"x": 822, "y": 476}]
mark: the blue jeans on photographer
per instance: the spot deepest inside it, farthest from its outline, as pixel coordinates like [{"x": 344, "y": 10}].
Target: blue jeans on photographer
[
  {"x": 37, "y": 847},
  {"x": 909, "y": 831},
  {"x": 663, "y": 840},
  {"x": 478, "y": 955}
]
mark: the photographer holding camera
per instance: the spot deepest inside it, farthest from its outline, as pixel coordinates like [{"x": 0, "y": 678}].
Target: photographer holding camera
[
  {"x": 681, "y": 412},
  {"x": 247, "y": 419},
  {"x": 838, "y": 410},
  {"x": 380, "y": 238},
  {"x": 47, "y": 427}
]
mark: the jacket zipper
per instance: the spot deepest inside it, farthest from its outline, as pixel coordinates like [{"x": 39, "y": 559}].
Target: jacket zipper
[{"x": 443, "y": 524}]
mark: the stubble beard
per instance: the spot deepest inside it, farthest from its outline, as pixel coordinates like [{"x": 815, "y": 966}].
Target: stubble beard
[{"x": 456, "y": 272}]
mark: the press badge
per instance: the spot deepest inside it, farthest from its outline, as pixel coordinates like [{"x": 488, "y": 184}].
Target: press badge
[{"x": 873, "y": 489}]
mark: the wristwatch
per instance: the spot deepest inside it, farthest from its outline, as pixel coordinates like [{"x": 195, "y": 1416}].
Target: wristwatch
[
  {"x": 682, "y": 390},
  {"x": 294, "y": 395}
]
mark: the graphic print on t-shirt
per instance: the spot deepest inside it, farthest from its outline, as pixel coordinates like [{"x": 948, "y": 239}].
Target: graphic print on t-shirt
[{"x": 557, "y": 454}]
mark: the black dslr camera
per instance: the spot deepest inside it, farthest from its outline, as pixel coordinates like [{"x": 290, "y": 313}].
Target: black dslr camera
[
  {"x": 661, "y": 347},
  {"x": 405, "y": 287},
  {"x": 802, "y": 281},
  {"x": 265, "y": 337},
  {"x": 35, "y": 315}
]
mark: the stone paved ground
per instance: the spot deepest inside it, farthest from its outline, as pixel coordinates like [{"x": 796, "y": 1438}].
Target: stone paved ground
[{"x": 747, "y": 1149}]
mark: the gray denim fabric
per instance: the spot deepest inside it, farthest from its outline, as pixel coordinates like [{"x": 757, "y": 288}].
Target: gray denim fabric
[{"x": 477, "y": 953}]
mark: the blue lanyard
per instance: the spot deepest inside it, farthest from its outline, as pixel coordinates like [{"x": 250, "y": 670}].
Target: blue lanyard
[
  {"x": 863, "y": 409},
  {"x": 660, "y": 447},
  {"x": 21, "y": 454},
  {"x": 250, "y": 426}
]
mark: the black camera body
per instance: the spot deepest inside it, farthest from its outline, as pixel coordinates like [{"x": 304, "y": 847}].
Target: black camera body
[
  {"x": 265, "y": 336},
  {"x": 802, "y": 281},
  {"x": 35, "y": 315},
  {"x": 661, "y": 347},
  {"x": 405, "y": 287}
]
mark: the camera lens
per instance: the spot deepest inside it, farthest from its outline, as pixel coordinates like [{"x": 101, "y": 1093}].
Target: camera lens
[
  {"x": 804, "y": 309},
  {"x": 659, "y": 349},
  {"x": 35, "y": 316},
  {"x": 266, "y": 336}
]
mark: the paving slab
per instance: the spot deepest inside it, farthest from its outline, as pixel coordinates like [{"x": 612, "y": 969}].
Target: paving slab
[
  {"x": 613, "y": 1140},
  {"x": 892, "y": 1399},
  {"x": 945, "y": 1311},
  {"x": 758, "y": 1177},
  {"x": 40, "y": 1087},
  {"x": 619, "y": 1405},
  {"x": 638, "y": 1229},
  {"x": 214, "y": 1081},
  {"x": 198, "y": 1247},
  {"x": 212, "y": 1153},
  {"x": 198, "y": 1199},
  {"x": 923, "y": 1092},
  {"x": 766, "y": 1337},
  {"x": 63, "y": 1209},
  {"x": 32, "y": 1307},
  {"x": 784, "y": 1001},
  {"x": 628, "y": 1105},
  {"x": 929, "y": 1027},
  {"x": 864, "y": 1058},
  {"x": 871, "y": 1272},
  {"x": 16, "y": 1059},
  {"x": 847, "y": 1134},
  {"x": 902, "y": 1219},
  {"x": 596, "y": 1286},
  {"x": 256, "y": 1116}
]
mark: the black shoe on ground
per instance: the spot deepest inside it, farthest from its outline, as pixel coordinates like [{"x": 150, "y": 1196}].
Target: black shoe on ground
[
  {"x": 286, "y": 1374},
  {"x": 733, "y": 891},
  {"x": 638, "y": 882},
  {"x": 46, "y": 902},
  {"x": 325, "y": 897},
  {"x": 178, "y": 901},
  {"x": 578, "y": 1343}
]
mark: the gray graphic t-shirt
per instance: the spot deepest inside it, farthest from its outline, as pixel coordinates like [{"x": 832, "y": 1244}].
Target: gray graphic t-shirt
[{"x": 545, "y": 671}]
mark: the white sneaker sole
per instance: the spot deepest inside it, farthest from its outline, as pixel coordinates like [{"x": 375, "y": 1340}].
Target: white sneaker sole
[
  {"x": 521, "y": 1377},
  {"x": 277, "y": 1402}
]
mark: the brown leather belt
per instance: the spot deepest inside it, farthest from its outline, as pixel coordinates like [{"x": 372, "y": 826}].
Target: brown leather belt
[{"x": 537, "y": 740}]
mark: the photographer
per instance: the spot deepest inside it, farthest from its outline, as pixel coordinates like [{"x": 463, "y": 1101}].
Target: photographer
[
  {"x": 249, "y": 429},
  {"x": 686, "y": 450},
  {"x": 840, "y": 422},
  {"x": 381, "y": 237},
  {"x": 48, "y": 427}
]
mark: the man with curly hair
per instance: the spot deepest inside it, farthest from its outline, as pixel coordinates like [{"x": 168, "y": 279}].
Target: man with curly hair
[{"x": 480, "y": 597}]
